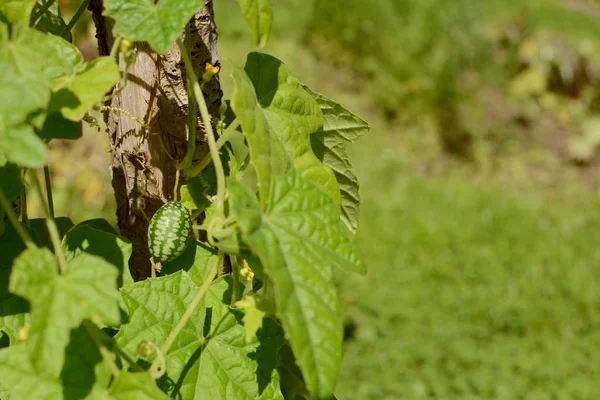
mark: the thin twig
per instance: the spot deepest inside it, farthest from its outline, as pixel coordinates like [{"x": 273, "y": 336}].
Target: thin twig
[
  {"x": 49, "y": 191},
  {"x": 76, "y": 17},
  {"x": 51, "y": 224},
  {"x": 208, "y": 127}
]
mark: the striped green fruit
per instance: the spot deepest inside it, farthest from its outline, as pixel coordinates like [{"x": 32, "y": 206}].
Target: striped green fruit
[{"x": 168, "y": 231}]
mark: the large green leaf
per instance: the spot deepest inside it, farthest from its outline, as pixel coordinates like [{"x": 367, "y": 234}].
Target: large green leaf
[
  {"x": 297, "y": 238},
  {"x": 158, "y": 23},
  {"x": 83, "y": 371},
  {"x": 114, "y": 249},
  {"x": 276, "y": 112},
  {"x": 341, "y": 127},
  {"x": 60, "y": 302},
  {"x": 17, "y": 10},
  {"x": 210, "y": 358},
  {"x": 259, "y": 15}
]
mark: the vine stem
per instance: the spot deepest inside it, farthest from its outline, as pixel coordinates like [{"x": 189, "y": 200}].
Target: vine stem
[
  {"x": 76, "y": 17},
  {"x": 41, "y": 11},
  {"x": 188, "y": 312},
  {"x": 49, "y": 191},
  {"x": 115, "y": 47},
  {"x": 15, "y": 221},
  {"x": 191, "y": 147},
  {"x": 214, "y": 151},
  {"x": 50, "y": 224},
  {"x": 222, "y": 140},
  {"x": 93, "y": 330}
]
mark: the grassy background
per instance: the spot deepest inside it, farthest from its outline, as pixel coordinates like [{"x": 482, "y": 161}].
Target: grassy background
[{"x": 484, "y": 272}]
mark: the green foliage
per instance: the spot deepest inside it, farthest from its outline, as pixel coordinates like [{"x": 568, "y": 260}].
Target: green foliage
[
  {"x": 158, "y": 23},
  {"x": 193, "y": 332},
  {"x": 210, "y": 358},
  {"x": 296, "y": 242},
  {"x": 60, "y": 303}
]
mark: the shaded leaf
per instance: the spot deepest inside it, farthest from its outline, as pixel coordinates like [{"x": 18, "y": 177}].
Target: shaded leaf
[
  {"x": 340, "y": 128},
  {"x": 114, "y": 249},
  {"x": 197, "y": 260},
  {"x": 259, "y": 15},
  {"x": 297, "y": 238},
  {"x": 158, "y": 23},
  {"x": 210, "y": 357},
  {"x": 10, "y": 181},
  {"x": 51, "y": 21},
  {"x": 14, "y": 310},
  {"x": 38, "y": 225},
  {"x": 60, "y": 302}
]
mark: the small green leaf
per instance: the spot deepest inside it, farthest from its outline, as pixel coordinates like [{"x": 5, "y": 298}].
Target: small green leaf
[
  {"x": 83, "y": 371},
  {"x": 17, "y": 10},
  {"x": 341, "y": 127},
  {"x": 114, "y": 249},
  {"x": 60, "y": 302},
  {"x": 297, "y": 238},
  {"x": 253, "y": 316},
  {"x": 158, "y": 23},
  {"x": 210, "y": 357},
  {"x": 259, "y": 15}
]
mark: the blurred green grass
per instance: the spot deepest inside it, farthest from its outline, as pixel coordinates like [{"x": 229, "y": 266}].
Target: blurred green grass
[{"x": 483, "y": 276}]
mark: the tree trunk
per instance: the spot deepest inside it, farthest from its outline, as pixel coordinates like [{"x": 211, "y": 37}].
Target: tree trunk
[{"x": 143, "y": 155}]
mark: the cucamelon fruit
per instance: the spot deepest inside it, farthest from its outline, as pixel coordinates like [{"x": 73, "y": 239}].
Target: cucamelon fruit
[{"x": 168, "y": 231}]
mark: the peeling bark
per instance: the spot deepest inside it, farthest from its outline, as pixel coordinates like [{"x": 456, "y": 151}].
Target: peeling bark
[{"x": 143, "y": 158}]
